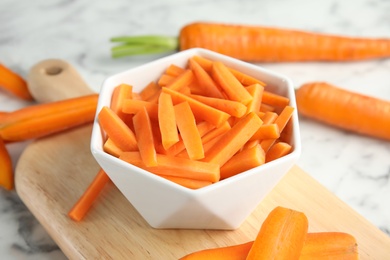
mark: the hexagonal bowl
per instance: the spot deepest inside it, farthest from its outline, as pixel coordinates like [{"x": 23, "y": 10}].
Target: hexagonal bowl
[{"x": 223, "y": 205}]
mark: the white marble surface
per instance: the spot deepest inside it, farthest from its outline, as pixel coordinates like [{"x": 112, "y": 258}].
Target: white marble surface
[{"x": 355, "y": 168}]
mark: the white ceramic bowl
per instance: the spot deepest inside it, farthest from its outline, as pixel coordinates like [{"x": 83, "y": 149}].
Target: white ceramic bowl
[{"x": 222, "y": 205}]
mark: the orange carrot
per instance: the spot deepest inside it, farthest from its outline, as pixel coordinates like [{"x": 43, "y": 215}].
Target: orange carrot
[
  {"x": 282, "y": 235},
  {"x": 243, "y": 161},
  {"x": 110, "y": 147},
  {"x": 144, "y": 136},
  {"x": 85, "y": 202},
  {"x": 132, "y": 106},
  {"x": 277, "y": 150},
  {"x": 48, "y": 124},
  {"x": 233, "y": 108},
  {"x": 275, "y": 99},
  {"x": 149, "y": 91},
  {"x": 165, "y": 79},
  {"x": 344, "y": 109},
  {"x": 269, "y": 117},
  {"x": 235, "y": 252},
  {"x": 186, "y": 124},
  {"x": 200, "y": 110},
  {"x": 256, "y": 90},
  {"x": 234, "y": 139},
  {"x": 167, "y": 121},
  {"x": 208, "y": 85},
  {"x": 174, "y": 70},
  {"x": 231, "y": 86},
  {"x": 14, "y": 83},
  {"x": 117, "y": 130},
  {"x": 181, "y": 81},
  {"x": 120, "y": 94},
  {"x": 6, "y": 170},
  {"x": 266, "y": 131}
]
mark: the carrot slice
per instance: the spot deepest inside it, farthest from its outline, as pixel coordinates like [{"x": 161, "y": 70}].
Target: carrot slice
[
  {"x": 176, "y": 166},
  {"x": 85, "y": 202},
  {"x": 256, "y": 91},
  {"x": 181, "y": 81},
  {"x": 174, "y": 70},
  {"x": 275, "y": 99},
  {"x": 231, "y": 86},
  {"x": 209, "y": 86},
  {"x": 167, "y": 121},
  {"x": 269, "y": 117},
  {"x": 14, "y": 83},
  {"x": 149, "y": 91},
  {"x": 243, "y": 161},
  {"x": 132, "y": 106},
  {"x": 165, "y": 79},
  {"x": 233, "y": 108},
  {"x": 282, "y": 235},
  {"x": 186, "y": 124},
  {"x": 120, "y": 94},
  {"x": 144, "y": 136},
  {"x": 200, "y": 110},
  {"x": 117, "y": 130},
  {"x": 6, "y": 170},
  {"x": 234, "y": 139},
  {"x": 110, "y": 147},
  {"x": 269, "y": 131},
  {"x": 277, "y": 150}
]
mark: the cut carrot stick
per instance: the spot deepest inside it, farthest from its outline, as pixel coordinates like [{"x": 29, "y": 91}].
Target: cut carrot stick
[
  {"x": 85, "y": 202},
  {"x": 209, "y": 86},
  {"x": 200, "y": 110},
  {"x": 275, "y": 99},
  {"x": 110, "y": 147},
  {"x": 120, "y": 94},
  {"x": 234, "y": 139},
  {"x": 219, "y": 131},
  {"x": 44, "y": 109},
  {"x": 282, "y": 235},
  {"x": 167, "y": 121},
  {"x": 149, "y": 91},
  {"x": 14, "y": 83},
  {"x": 117, "y": 130},
  {"x": 231, "y": 86},
  {"x": 233, "y": 108},
  {"x": 243, "y": 161},
  {"x": 181, "y": 81},
  {"x": 165, "y": 79},
  {"x": 48, "y": 124},
  {"x": 269, "y": 131},
  {"x": 132, "y": 106},
  {"x": 235, "y": 252},
  {"x": 186, "y": 124},
  {"x": 266, "y": 108},
  {"x": 6, "y": 170},
  {"x": 277, "y": 150},
  {"x": 256, "y": 91},
  {"x": 345, "y": 109},
  {"x": 188, "y": 183},
  {"x": 174, "y": 70},
  {"x": 269, "y": 117},
  {"x": 144, "y": 136},
  {"x": 176, "y": 166}
]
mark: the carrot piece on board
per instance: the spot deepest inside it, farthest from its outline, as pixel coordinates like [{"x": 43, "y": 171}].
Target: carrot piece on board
[
  {"x": 149, "y": 90},
  {"x": 174, "y": 70},
  {"x": 6, "y": 170},
  {"x": 345, "y": 109},
  {"x": 176, "y": 166},
  {"x": 85, "y": 202},
  {"x": 48, "y": 123},
  {"x": 117, "y": 130},
  {"x": 110, "y": 147},
  {"x": 144, "y": 136},
  {"x": 167, "y": 121},
  {"x": 275, "y": 99},
  {"x": 234, "y": 252},
  {"x": 234, "y": 139},
  {"x": 231, "y": 86},
  {"x": 277, "y": 150},
  {"x": 209, "y": 86},
  {"x": 132, "y": 106},
  {"x": 165, "y": 79},
  {"x": 282, "y": 235},
  {"x": 188, "y": 183},
  {"x": 281, "y": 121},
  {"x": 266, "y": 131},
  {"x": 330, "y": 245},
  {"x": 14, "y": 83},
  {"x": 200, "y": 110},
  {"x": 186, "y": 124},
  {"x": 181, "y": 81},
  {"x": 233, "y": 108},
  {"x": 256, "y": 90},
  {"x": 243, "y": 161},
  {"x": 44, "y": 109}
]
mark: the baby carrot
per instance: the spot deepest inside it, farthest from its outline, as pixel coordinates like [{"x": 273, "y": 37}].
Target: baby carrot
[
  {"x": 85, "y": 202},
  {"x": 6, "y": 171},
  {"x": 167, "y": 121},
  {"x": 344, "y": 109},
  {"x": 14, "y": 83}
]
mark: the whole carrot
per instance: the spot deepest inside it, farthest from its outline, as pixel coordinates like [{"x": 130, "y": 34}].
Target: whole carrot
[
  {"x": 258, "y": 44},
  {"x": 345, "y": 109}
]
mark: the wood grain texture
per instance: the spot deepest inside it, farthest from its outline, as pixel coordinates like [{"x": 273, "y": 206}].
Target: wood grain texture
[{"x": 54, "y": 171}]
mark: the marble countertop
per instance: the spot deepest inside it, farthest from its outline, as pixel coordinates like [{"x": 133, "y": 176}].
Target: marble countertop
[{"x": 353, "y": 167}]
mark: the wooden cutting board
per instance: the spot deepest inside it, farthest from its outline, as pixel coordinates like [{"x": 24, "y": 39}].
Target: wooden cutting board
[{"x": 53, "y": 172}]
